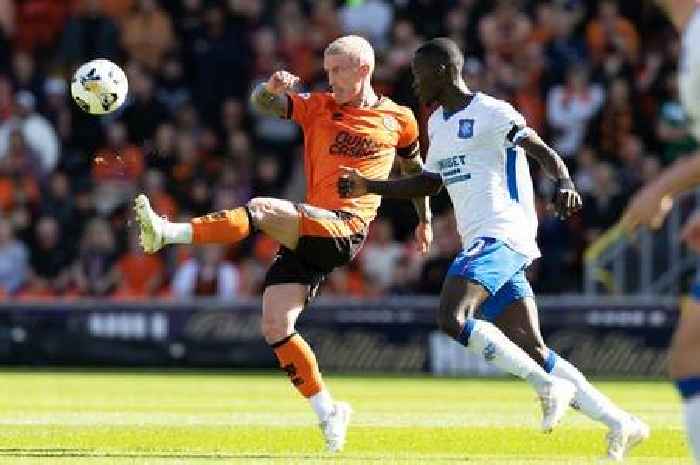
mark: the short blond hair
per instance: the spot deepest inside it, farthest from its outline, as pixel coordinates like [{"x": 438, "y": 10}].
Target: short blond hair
[{"x": 355, "y": 47}]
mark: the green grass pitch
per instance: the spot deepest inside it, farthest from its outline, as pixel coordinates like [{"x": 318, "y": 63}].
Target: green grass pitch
[{"x": 60, "y": 418}]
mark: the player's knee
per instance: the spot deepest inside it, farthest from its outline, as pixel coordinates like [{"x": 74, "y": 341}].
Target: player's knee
[
  {"x": 275, "y": 328},
  {"x": 259, "y": 207}
]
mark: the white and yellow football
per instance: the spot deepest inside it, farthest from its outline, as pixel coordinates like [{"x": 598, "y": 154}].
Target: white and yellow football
[{"x": 99, "y": 87}]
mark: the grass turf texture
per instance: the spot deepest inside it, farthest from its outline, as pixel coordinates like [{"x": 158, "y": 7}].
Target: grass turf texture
[{"x": 62, "y": 418}]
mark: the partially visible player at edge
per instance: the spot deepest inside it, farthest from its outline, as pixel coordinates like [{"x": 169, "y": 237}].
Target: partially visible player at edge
[
  {"x": 350, "y": 125},
  {"x": 651, "y": 204},
  {"x": 477, "y": 151}
]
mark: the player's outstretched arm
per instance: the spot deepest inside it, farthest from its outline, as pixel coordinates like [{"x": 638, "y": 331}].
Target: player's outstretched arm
[
  {"x": 680, "y": 177},
  {"x": 270, "y": 98},
  {"x": 650, "y": 205},
  {"x": 566, "y": 200},
  {"x": 352, "y": 184}
]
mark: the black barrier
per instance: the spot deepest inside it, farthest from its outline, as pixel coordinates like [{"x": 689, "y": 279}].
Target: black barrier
[{"x": 392, "y": 335}]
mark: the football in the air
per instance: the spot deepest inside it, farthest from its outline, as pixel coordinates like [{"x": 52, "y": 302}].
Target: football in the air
[{"x": 99, "y": 87}]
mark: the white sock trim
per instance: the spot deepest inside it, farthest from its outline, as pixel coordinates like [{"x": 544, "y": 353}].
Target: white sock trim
[
  {"x": 692, "y": 425},
  {"x": 177, "y": 233},
  {"x": 322, "y": 403}
]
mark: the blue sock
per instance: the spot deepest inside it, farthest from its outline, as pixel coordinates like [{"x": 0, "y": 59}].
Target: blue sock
[
  {"x": 463, "y": 337},
  {"x": 688, "y": 387},
  {"x": 550, "y": 361}
]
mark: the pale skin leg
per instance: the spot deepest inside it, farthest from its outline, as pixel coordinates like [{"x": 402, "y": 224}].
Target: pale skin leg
[
  {"x": 282, "y": 303},
  {"x": 277, "y": 218}
]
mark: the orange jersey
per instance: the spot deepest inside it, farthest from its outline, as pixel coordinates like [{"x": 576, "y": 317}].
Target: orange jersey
[{"x": 362, "y": 138}]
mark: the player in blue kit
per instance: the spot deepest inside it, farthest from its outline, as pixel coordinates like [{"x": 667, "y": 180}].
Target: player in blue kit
[{"x": 477, "y": 152}]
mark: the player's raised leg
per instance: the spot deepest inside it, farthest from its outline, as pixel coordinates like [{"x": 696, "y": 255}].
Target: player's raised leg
[
  {"x": 684, "y": 368},
  {"x": 278, "y": 218},
  {"x": 458, "y": 302},
  {"x": 282, "y": 304},
  {"x": 519, "y": 320}
]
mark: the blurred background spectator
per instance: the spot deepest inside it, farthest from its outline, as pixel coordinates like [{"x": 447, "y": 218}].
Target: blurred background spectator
[
  {"x": 206, "y": 274},
  {"x": 36, "y": 132},
  {"x": 570, "y": 107},
  {"x": 94, "y": 273},
  {"x": 596, "y": 78},
  {"x": 88, "y": 34},
  {"x": 14, "y": 261}
]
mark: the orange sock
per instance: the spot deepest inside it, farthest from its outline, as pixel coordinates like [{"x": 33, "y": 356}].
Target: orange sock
[
  {"x": 224, "y": 227},
  {"x": 298, "y": 360}
]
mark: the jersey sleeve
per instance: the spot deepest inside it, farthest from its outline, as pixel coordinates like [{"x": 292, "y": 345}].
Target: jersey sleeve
[
  {"x": 408, "y": 137},
  {"x": 303, "y": 106},
  {"x": 507, "y": 123}
]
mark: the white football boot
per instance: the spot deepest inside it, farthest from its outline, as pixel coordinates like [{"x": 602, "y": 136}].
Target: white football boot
[
  {"x": 622, "y": 440},
  {"x": 555, "y": 400},
  {"x": 150, "y": 225},
  {"x": 335, "y": 427}
]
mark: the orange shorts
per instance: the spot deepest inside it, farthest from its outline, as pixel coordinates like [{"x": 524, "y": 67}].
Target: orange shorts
[
  {"x": 327, "y": 239},
  {"x": 319, "y": 222}
]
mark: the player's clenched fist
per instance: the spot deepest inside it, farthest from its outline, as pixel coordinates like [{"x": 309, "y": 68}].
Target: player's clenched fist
[
  {"x": 351, "y": 183},
  {"x": 566, "y": 200},
  {"x": 281, "y": 82}
]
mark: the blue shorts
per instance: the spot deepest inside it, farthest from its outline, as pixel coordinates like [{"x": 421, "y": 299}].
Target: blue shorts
[{"x": 497, "y": 267}]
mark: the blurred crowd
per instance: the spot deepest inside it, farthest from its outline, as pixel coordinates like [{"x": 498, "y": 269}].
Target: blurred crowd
[{"x": 596, "y": 78}]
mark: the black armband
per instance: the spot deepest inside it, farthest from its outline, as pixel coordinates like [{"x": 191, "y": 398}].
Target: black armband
[
  {"x": 515, "y": 133},
  {"x": 409, "y": 152}
]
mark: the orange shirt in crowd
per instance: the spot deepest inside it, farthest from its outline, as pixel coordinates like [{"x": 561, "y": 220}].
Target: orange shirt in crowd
[
  {"x": 9, "y": 188},
  {"x": 147, "y": 37},
  {"x": 137, "y": 270},
  {"x": 598, "y": 40}
]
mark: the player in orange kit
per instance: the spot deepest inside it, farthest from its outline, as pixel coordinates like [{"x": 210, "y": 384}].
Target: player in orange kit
[{"x": 349, "y": 126}]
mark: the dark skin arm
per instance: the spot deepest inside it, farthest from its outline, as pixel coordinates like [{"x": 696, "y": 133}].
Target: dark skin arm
[
  {"x": 412, "y": 165},
  {"x": 353, "y": 184},
  {"x": 566, "y": 200}
]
